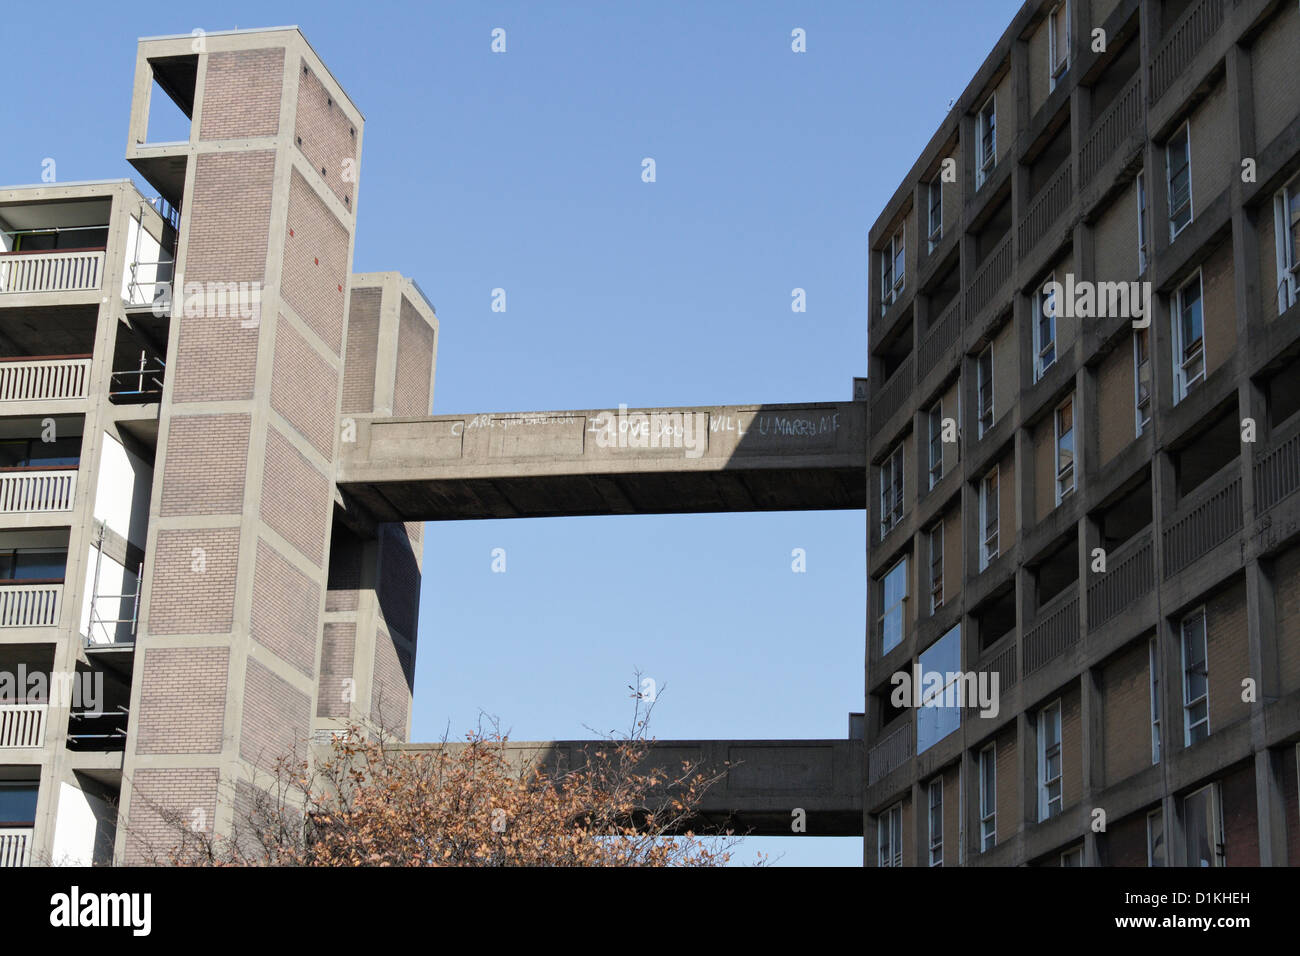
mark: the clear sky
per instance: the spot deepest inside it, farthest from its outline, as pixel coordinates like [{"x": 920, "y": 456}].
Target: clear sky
[{"x": 522, "y": 171}]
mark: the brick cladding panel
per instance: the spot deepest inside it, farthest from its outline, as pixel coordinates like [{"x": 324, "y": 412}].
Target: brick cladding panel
[
  {"x": 1274, "y": 78},
  {"x": 156, "y": 792},
  {"x": 1118, "y": 422},
  {"x": 325, "y": 134},
  {"x": 182, "y": 700},
  {"x": 205, "y": 464},
  {"x": 315, "y": 272},
  {"x": 399, "y": 581},
  {"x": 1125, "y": 842},
  {"x": 216, "y": 356},
  {"x": 286, "y": 607},
  {"x": 1008, "y": 790},
  {"x": 1125, "y": 709},
  {"x": 1286, "y": 595},
  {"x": 276, "y": 720},
  {"x": 304, "y": 388},
  {"x": 363, "y": 351},
  {"x": 241, "y": 94},
  {"x": 1229, "y": 663},
  {"x": 414, "y": 363},
  {"x": 337, "y": 654},
  {"x": 295, "y": 497},
  {"x": 390, "y": 694},
  {"x": 1240, "y": 813},
  {"x": 1071, "y": 750},
  {"x": 344, "y": 577},
  {"x": 189, "y": 600},
  {"x": 1291, "y": 803}
]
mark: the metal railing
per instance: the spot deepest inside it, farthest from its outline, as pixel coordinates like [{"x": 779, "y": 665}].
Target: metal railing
[
  {"x": 22, "y": 726},
  {"x": 941, "y": 335},
  {"x": 30, "y": 605},
  {"x": 890, "y": 753},
  {"x": 1185, "y": 41},
  {"x": 1277, "y": 473},
  {"x": 1052, "y": 633},
  {"x": 78, "y": 270},
  {"x": 1203, "y": 526},
  {"x": 1003, "y": 663},
  {"x": 15, "y": 846},
  {"x": 28, "y": 491},
  {"x": 45, "y": 379},
  {"x": 1120, "y": 119},
  {"x": 1130, "y": 573},
  {"x": 1047, "y": 207},
  {"x": 138, "y": 385},
  {"x": 891, "y": 397},
  {"x": 992, "y": 276}
]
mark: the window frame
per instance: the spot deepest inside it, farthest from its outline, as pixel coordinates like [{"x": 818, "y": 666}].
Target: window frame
[
  {"x": 1184, "y": 133},
  {"x": 893, "y": 491},
  {"x": 1063, "y": 491},
  {"x": 1057, "y": 66},
  {"x": 1141, "y": 359},
  {"x": 1287, "y": 244},
  {"x": 985, "y": 163},
  {"x": 981, "y": 413},
  {"x": 934, "y": 419},
  {"x": 893, "y": 280},
  {"x": 1218, "y": 836},
  {"x": 1050, "y": 718},
  {"x": 936, "y": 843},
  {"x": 889, "y": 837},
  {"x": 1164, "y": 847},
  {"x": 933, "y": 228},
  {"x": 1190, "y": 725},
  {"x": 988, "y": 781},
  {"x": 1144, "y": 239},
  {"x": 1183, "y": 383},
  {"x": 986, "y": 555},
  {"x": 1041, "y": 312},
  {"x": 900, "y": 605},
  {"x": 936, "y": 585},
  {"x": 1153, "y": 689},
  {"x": 1074, "y": 853}
]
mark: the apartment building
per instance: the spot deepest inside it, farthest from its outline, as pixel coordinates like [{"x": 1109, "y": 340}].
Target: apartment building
[
  {"x": 1091, "y": 500},
  {"x": 185, "y": 594}
]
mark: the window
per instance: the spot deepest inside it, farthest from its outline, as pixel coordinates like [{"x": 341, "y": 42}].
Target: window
[
  {"x": 890, "y": 836},
  {"x": 1178, "y": 160},
  {"x": 1286, "y": 225},
  {"x": 893, "y": 268},
  {"x": 984, "y": 386},
  {"x": 1142, "y": 378},
  {"x": 1196, "y": 678},
  {"x": 1203, "y": 827},
  {"x": 1072, "y": 857},
  {"x": 891, "y": 491},
  {"x": 1049, "y": 761},
  {"x": 988, "y": 518},
  {"x": 936, "y": 567},
  {"x": 936, "y": 443},
  {"x": 1045, "y": 308},
  {"x": 893, "y": 595},
  {"x": 936, "y": 822},
  {"x": 32, "y": 564},
  {"x": 988, "y": 798},
  {"x": 1156, "y": 838},
  {"x": 936, "y": 211},
  {"x": 986, "y": 142},
  {"x": 1153, "y": 656},
  {"x": 1064, "y": 449},
  {"x": 940, "y": 712},
  {"x": 35, "y": 453},
  {"x": 1143, "y": 248},
  {"x": 1058, "y": 42},
  {"x": 1188, "y": 338},
  {"x": 17, "y": 803}
]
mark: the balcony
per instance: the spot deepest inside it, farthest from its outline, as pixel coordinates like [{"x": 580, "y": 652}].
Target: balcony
[
  {"x": 15, "y": 846},
  {"x": 992, "y": 276},
  {"x": 1047, "y": 207},
  {"x": 1130, "y": 575},
  {"x": 46, "y": 378},
  {"x": 37, "y": 490},
  {"x": 1185, "y": 41},
  {"x": 1197, "y": 529},
  {"x": 30, "y": 603},
  {"x": 72, "y": 270},
  {"x": 1055, "y": 630},
  {"x": 1120, "y": 119},
  {"x": 22, "y": 726},
  {"x": 889, "y": 754}
]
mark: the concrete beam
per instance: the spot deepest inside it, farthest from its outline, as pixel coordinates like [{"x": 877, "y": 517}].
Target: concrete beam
[
  {"x": 600, "y": 462},
  {"x": 766, "y": 781}
]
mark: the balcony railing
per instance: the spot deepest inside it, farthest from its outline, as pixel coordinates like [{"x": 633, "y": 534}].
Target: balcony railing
[
  {"x": 1130, "y": 573},
  {"x": 30, "y": 605},
  {"x": 37, "y": 490},
  {"x": 1052, "y": 633},
  {"x": 137, "y": 386},
  {"x": 1277, "y": 474},
  {"x": 75, "y": 270},
  {"x": 1185, "y": 41},
  {"x": 890, "y": 753},
  {"x": 941, "y": 335},
  {"x": 1202, "y": 527},
  {"x": 15, "y": 846},
  {"x": 1045, "y": 209},
  {"x": 44, "y": 379},
  {"x": 991, "y": 277},
  {"x": 1002, "y": 663},
  {"x": 22, "y": 726},
  {"x": 890, "y": 398},
  {"x": 1120, "y": 119}
]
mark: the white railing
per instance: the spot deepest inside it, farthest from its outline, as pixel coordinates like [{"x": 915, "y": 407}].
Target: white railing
[
  {"x": 37, "y": 491},
  {"x": 15, "y": 846},
  {"x": 44, "y": 379},
  {"x": 78, "y": 271},
  {"x": 22, "y": 725},
  {"x": 30, "y": 605}
]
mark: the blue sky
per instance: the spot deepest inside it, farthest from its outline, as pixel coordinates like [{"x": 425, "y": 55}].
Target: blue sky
[{"x": 522, "y": 171}]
